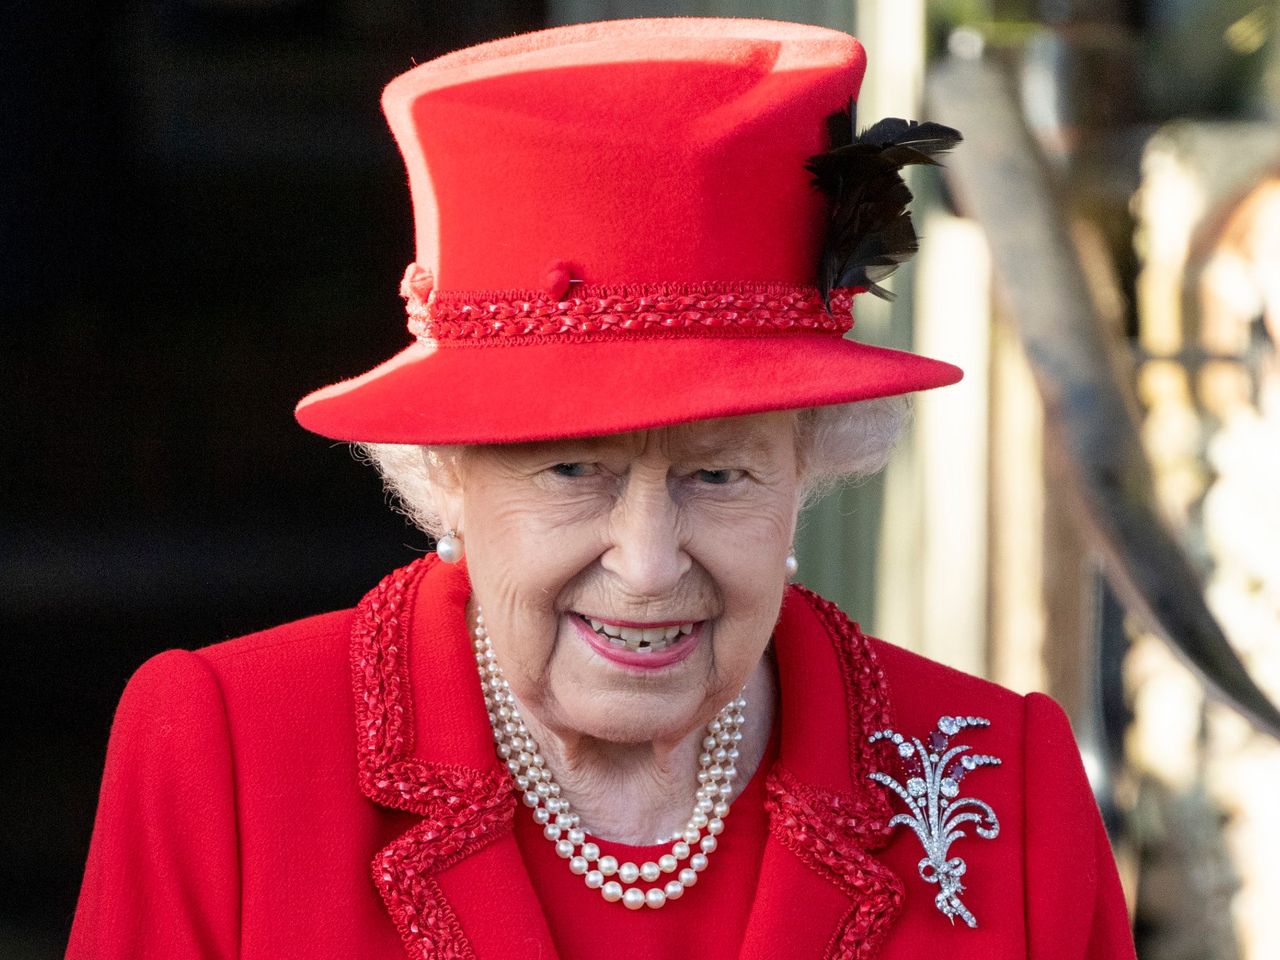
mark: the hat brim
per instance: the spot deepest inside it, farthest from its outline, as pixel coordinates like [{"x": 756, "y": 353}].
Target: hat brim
[{"x": 500, "y": 393}]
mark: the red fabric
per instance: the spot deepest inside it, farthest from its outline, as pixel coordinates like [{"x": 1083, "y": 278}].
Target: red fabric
[
  {"x": 538, "y": 391},
  {"x": 640, "y": 164},
  {"x": 688, "y": 136},
  {"x": 253, "y": 808}
]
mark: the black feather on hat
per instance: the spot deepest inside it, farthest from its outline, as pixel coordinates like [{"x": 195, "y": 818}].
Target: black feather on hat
[{"x": 870, "y": 231}]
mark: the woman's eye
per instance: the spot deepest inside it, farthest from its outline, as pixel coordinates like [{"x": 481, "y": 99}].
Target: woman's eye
[
  {"x": 572, "y": 469},
  {"x": 718, "y": 477}
]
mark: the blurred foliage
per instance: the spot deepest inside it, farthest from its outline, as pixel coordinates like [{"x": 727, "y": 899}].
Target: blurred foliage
[
  {"x": 1197, "y": 58},
  {"x": 1001, "y": 26},
  {"x": 1208, "y": 58}
]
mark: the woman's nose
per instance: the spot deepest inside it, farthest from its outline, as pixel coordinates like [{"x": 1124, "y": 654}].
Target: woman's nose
[{"x": 646, "y": 550}]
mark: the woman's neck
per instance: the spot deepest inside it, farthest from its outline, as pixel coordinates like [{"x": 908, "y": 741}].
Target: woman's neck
[{"x": 643, "y": 793}]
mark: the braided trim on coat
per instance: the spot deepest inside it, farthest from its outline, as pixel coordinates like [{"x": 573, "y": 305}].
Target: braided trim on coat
[
  {"x": 463, "y": 808},
  {"x": 866, "y": 692},
  {"x": 432, "y": 933},
  {"x": 823, "y": 828},
  {"x": 832, "y": 831},
  {"x": 380, "y": 675},
  {"x": 404, "y": 869}
]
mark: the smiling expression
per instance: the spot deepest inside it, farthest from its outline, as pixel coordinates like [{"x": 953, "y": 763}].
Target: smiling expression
[{"x": 630, "y": 583}]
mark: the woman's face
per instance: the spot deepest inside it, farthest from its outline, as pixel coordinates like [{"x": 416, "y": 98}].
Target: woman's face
[{"x": 630, "y": 583}]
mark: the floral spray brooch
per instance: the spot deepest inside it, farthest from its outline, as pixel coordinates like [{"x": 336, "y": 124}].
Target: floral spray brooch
[{"x": 936, "y": 811}]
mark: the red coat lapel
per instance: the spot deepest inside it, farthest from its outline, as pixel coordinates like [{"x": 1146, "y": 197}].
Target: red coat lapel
[
  {"x": 820, "y": 892},
  {"x": 442, "y": 880}
]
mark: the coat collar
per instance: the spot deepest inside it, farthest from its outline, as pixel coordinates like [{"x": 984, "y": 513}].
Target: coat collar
[{"x": 825, "y": 817}]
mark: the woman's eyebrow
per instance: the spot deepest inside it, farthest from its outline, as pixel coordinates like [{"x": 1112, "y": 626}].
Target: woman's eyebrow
[
  {"x": 751, "y": 442},
  {"x": 571, "y": 450}
]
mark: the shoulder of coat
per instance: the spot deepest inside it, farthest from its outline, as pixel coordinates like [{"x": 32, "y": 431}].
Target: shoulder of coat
[{"x": 922, "y": 690}]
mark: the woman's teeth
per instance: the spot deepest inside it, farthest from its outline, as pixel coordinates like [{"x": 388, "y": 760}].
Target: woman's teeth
[{"x": 642, "y": 639}]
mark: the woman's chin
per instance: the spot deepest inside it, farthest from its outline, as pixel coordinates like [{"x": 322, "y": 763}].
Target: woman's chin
[{"x": 629, "y": 719}]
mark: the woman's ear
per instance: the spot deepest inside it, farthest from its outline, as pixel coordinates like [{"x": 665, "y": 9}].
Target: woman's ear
[{"x": 447, "y": 471}]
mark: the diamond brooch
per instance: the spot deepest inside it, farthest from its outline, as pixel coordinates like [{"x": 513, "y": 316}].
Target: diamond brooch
[{"x": 937, "y": 813}]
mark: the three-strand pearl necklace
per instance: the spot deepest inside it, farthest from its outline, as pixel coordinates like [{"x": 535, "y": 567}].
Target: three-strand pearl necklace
[{"x": 560, "y": 825}]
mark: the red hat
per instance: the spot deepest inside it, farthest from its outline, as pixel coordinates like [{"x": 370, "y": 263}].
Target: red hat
[{"x": 616, "y": 230}]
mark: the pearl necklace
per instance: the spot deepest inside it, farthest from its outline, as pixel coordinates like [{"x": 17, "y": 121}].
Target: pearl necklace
[{"x": 560, "y": 825}]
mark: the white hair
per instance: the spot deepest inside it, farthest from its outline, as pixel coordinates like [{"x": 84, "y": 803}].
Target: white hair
[{"x": 834, "y": 443}]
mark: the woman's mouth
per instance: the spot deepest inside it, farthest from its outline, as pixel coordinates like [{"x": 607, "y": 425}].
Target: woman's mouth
[
  {"x": 647, "y": 645},
  {"x": 644, "y": 639}
]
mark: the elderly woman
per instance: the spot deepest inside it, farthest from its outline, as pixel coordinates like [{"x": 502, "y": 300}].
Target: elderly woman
[{"x": 598, "y": 722}]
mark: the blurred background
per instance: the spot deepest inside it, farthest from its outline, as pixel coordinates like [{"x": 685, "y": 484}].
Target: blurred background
[{"x": 202, "y": 217}]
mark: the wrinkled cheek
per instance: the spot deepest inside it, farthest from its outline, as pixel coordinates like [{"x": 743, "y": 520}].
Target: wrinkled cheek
[
  {"x": 532, "y": 655},
  {"x": 753, "y": 627}
]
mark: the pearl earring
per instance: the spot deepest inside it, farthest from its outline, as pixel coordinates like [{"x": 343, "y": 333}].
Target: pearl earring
[
  {"x": 449, "y": 547},
  {"x": 792, "y": 565}
]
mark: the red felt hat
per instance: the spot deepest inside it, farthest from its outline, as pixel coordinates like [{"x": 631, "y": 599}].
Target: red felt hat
[{"x": 616, "y": 230}]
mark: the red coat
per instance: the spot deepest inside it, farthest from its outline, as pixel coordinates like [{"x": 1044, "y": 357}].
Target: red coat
[{"x": 252, "y": 809}]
